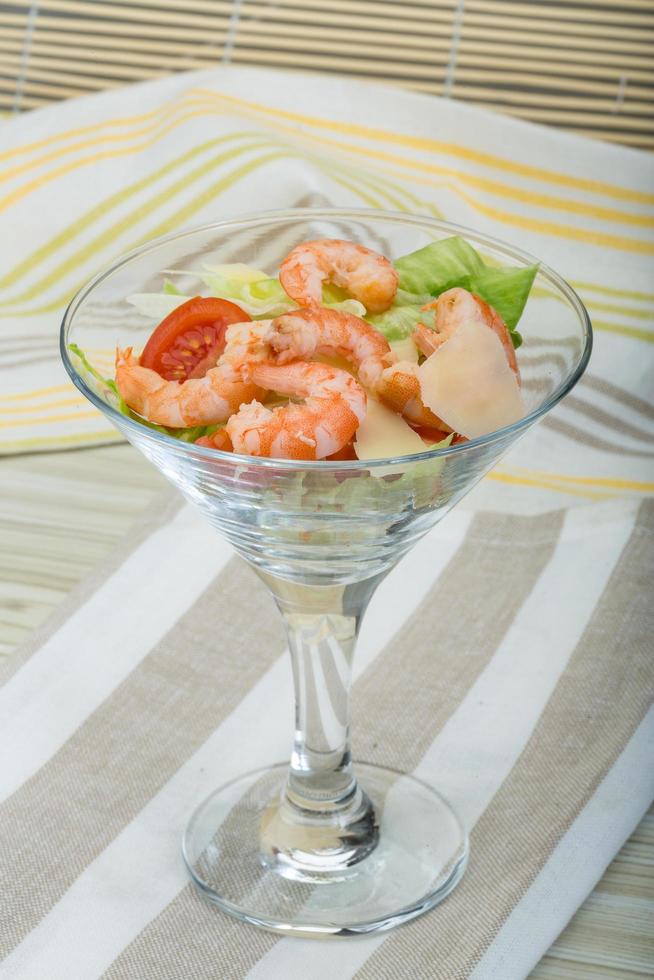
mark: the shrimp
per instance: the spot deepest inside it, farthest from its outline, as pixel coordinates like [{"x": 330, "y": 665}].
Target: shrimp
[
  {"x": 454, "y": 308},
  {"x": 367, "y": 275},
  {"x": 334, "y": 408},
  {"x": 246, "y": 342},
  {"x": 197, "y": 401},
  {"x": 305, "y": 333},
  {"x": 399, "y": 388},
  {"x": 217, "y": 440}
]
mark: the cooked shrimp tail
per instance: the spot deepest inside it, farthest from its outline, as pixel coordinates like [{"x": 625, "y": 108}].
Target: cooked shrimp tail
[
  {"x": 198, "y": 401},
  {"x": 217, "y": 440},
  {"x": 366, "y": 275},
  {"x": 306, "y": 333}
]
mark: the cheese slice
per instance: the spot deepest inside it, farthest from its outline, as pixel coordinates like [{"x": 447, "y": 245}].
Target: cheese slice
[
  {"x": 468, "y": 383},
  {"x": 383, "y": 433}
]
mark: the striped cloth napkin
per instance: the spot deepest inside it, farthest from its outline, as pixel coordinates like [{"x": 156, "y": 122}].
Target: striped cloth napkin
[{"x": 508, "y": 658}]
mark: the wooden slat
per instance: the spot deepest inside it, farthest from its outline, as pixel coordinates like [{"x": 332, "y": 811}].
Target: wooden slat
[
  {"x": 549, "y": 24},
  {"x": 182, "y": 57},
  {"x": 312, "y": 62},
  {"x": 593, "y": 105},
  {"x": 508, "y": 53},
  {"x": 470, "y": 53},
  {"x": 580, "y": 65},
  {"x": 565, "y": 12},
  {"x": 50, "y": 91},
  {"x": 559, "y": 117},
  {"x": 86, "y": 72},
  {"x": 399, "y": 23},
  {"x": 206, "y": 56}
]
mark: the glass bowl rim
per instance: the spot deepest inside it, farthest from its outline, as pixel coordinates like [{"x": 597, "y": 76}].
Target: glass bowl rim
[{"x": 330, "y": 465}]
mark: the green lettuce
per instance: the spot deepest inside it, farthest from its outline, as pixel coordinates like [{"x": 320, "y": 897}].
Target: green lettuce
[
  {"x": 399, "y": 322},
  {"x": 454, "y": 262},
  {"x": 438, "y": 266}
]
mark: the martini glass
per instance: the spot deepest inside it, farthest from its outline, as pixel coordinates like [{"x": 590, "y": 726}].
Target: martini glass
[{"x": 321, "y": 846}]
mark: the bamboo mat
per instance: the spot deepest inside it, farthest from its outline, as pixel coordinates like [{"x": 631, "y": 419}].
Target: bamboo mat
[{"x": 586, "y": 65}]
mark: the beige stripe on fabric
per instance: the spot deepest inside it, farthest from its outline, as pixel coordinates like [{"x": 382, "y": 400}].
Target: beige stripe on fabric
[
  {"x": 513, "y": 551},
  {"x": 607, "y": 419},
  {"x": 162, "y": 511},
  {"x": 59, "y": 821},
  {"x": 586, "y": 438},
  {"x": 618, "y": 394},
  {"x": 441, "y": 650},
  {"x": 594, "y": 710}
]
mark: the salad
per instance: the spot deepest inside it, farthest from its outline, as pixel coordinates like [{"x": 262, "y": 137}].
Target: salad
[{"x": 345, "y": 355}]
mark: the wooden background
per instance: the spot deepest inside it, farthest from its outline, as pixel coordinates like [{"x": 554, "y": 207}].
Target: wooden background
[{"x": 584, "y": 65}]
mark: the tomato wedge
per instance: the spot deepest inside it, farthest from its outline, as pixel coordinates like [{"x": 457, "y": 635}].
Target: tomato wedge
[{"x": 189, "y": 341}]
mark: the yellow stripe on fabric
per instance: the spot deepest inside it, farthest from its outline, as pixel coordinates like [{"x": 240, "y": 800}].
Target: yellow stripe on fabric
[
  {"x": 21, "y": 192},
  {"x": 20, "y": 445},
  {"x": 612, "y": 291},
  {"x": 626, "y": 310},
  {"x": 494, "y": 187},
  {"x": 523, "y": 481},
  {"x": 110, "y": 234},
  {"x": 625, "y": 331},
  {"x": 86, "y": 220},
  {"x": 382, "y": 184},
  {"x": 51, "y": 419},
  {"x": 451, "y": 149},
  {"x": 64, "y": 402},
  {"x": 169, "y": 224},
  {"x": 68, "y": 233},
  {"x": 165, "y": 112},
  {"x": 186, "y": 212},
  {"x": 597, "y": 238},
  {"x": 37, "y": 393},
  {"x": 595, "y": 481},
  {"x": 83, "y": 130}
]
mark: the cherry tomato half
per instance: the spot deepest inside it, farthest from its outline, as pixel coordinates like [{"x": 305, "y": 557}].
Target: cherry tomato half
[{"x": 189, "y": 341}]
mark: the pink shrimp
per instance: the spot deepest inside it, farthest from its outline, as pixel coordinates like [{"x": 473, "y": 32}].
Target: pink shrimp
[
  {"x": 454, "y": 308},
  {"x": 217, "y": 440},
  {"x": 366, "y": 275},
  {"x": 305, "y": 333},
  {"x": 334, "y": 408},
  {"x": 247, "y": 342},
  {"x": 198, "y": 401}
]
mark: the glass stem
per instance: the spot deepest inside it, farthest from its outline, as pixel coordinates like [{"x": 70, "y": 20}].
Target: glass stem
[{"x": 324, "y": 821}]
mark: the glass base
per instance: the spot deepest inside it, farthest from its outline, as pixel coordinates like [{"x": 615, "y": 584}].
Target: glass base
[{"x": 419, "y": 857}]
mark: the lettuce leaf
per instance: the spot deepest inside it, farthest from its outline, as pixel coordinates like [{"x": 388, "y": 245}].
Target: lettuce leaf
[
  {"x": 438, "y": 266},
  {"x": 399, "y": 322},
  {"x": 266, "y": 297},
  {"x": 453, "y": 262},
  {"x": 506, "y": 289},
  {"x": 156, "y": 306}
]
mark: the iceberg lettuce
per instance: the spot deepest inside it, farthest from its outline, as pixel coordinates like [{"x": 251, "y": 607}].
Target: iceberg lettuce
[{"x": 454, "y": 262}]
